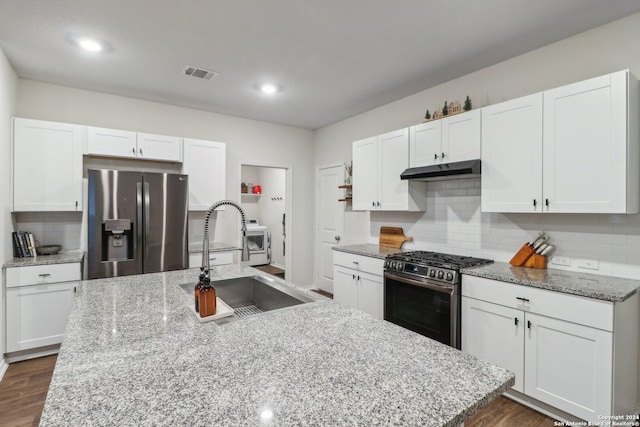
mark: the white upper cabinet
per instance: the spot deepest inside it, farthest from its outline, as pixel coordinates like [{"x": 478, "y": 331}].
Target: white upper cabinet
[
  {"x": 571, "y": 149},
  {"x": 511, "y": 178},
  {"x": 47, "y": 166},
  {"x": 590, "y": 146},
  {"x": 365, "y": 174},
  {"x": 143, "y": 146},
  {"x": 205, "y": 163},
  {"x": 377, "y": 164},
  {"x": 451, "y": 139},
  {"x": 159, "y": 147},
  {"x": 111, "y": 142}
]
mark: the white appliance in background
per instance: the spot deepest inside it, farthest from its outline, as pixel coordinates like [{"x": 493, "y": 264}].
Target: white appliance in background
[{"x": 259, "y": 243}]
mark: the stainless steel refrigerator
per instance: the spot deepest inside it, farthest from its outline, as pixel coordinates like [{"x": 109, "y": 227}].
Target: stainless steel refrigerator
[{"x": 137, "y": 222}]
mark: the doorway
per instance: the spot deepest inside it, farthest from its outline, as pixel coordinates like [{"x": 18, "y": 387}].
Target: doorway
[{"x": 264, "y": 198}]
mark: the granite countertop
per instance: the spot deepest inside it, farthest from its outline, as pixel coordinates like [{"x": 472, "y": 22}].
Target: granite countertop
[
  {"x": 133, "y": 354},
  {"x": 368, "y": 249},
  {"x": 64, "y": 257},
  {"x": 605, "y": 288},
  {"x": 213, "y": 247}
]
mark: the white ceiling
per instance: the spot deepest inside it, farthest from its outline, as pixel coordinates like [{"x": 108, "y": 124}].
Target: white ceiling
[{"x": 334, "y": 58}]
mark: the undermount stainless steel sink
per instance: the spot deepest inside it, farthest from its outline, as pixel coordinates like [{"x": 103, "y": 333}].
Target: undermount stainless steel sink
[{"x": 252, "y": 295}]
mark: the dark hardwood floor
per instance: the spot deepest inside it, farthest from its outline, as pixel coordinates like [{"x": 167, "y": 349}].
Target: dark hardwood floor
[
  {"x": 504, "y": 412},
  {"x": 23, "y": 390},
  {"x": 271, "y": 269}
]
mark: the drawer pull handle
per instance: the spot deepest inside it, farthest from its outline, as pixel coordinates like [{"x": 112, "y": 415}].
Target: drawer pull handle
[
  {"x": 44, "y": 275},
  {"x": 356, "y": 262},
  {"x": 522, "y": 299}
]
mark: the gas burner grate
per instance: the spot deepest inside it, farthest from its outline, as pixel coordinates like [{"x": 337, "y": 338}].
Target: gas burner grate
[{"x": 441, "y": 260}]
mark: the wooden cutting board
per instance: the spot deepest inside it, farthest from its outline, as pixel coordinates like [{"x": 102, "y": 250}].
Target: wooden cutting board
[{"x": 393, "y": 237}]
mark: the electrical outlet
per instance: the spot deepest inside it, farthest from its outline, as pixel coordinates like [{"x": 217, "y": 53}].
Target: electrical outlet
[
  {"x": 561, "y": 260},
  {"x": 589, "y": 264}
]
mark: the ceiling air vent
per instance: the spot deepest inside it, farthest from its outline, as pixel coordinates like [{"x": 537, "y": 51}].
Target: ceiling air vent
[{"x": 200, "y": 73}]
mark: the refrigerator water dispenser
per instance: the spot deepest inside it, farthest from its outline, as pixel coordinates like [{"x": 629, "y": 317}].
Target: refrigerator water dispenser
[{"x": 117, "y": 240}]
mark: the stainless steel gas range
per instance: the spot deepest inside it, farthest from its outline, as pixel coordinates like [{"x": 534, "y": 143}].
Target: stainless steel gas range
[{"x": 422, "y": 293}]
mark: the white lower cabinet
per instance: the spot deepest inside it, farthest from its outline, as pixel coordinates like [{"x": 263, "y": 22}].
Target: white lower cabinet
[
  {"x": 39, "y": 300},
  {"x": 215, "y": 258},
  {"x": 358, "y": 282},
  {"x": 563, "y": 349}
]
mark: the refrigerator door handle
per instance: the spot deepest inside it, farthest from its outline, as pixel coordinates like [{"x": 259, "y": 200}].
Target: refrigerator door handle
[
  {"x": 147, "y": 211},
  {"x": 139, "y": 196}
]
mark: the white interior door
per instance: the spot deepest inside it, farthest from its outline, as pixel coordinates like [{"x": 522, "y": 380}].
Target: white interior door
[{"x": 329, "y": 222}]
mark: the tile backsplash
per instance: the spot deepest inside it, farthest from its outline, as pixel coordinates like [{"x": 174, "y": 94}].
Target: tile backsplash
[{"x": 453, "y": 223}]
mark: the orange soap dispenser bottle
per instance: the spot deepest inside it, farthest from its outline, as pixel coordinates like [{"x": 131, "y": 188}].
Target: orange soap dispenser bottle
[{"x": 206, "y": 298}]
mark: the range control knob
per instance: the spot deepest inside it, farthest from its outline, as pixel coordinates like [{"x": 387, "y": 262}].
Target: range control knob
[
  {"x": 440, "y": 274},
  {"x": 432, "y": 273},
  {"x": 450, "y": 276},
  {"x": 386, "y": 263}
]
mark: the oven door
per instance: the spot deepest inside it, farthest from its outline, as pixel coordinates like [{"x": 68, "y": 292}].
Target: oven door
[{"x": 426, "y": 307}]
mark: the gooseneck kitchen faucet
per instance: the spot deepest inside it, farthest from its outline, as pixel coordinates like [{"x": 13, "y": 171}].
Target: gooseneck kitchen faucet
[{"x": 205, "y": 243}]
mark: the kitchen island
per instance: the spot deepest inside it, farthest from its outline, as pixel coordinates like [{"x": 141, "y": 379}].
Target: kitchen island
[{"x": 133, "y": 354}]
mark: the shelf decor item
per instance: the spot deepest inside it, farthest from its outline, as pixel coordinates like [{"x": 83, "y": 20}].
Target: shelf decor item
[
  {"x": 449, "y": 109},
  {"x": 348, "y": 170}
]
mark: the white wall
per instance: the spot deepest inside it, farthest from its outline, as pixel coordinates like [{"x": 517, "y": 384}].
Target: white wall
[
  {"x": 248, "y": 141},
  {"x": 8, "y": 94},
  {"x": 453, "y": 220}
]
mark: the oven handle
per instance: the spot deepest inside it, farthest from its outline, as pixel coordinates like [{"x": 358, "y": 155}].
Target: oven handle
[{"x": 444, "y": 289}]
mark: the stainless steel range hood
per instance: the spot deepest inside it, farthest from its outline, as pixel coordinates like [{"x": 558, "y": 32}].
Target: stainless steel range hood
[{"x": 454, "y": 170}]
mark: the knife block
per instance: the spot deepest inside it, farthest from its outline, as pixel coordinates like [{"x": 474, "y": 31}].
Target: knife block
[
  {"x": 521, "y": 257},
  {"x": 536, "y": 261}
]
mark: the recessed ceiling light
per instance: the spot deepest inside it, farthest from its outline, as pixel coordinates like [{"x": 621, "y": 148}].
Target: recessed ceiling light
[
  {"x": 269, "y": 88},
  {"x": 90, "y": 45}
]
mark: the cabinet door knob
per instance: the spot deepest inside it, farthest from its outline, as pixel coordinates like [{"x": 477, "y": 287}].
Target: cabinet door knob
[
  {"x": 141, "y": 151},
  {"x": 373, "y": 204},
  {"x": 443, "y": 155},
  {"x": 378, "y": 204},
  {"x": 133, "y": 150},
  {"x": 337, "y": 238}
]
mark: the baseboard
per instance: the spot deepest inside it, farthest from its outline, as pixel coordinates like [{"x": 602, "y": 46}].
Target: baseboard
[
  {"x": 19, "y": 356},
  {"x": 3, "y": 367}
]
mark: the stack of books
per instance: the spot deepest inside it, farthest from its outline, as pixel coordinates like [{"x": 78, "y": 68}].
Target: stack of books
[{"x": 24, "y": 244}]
